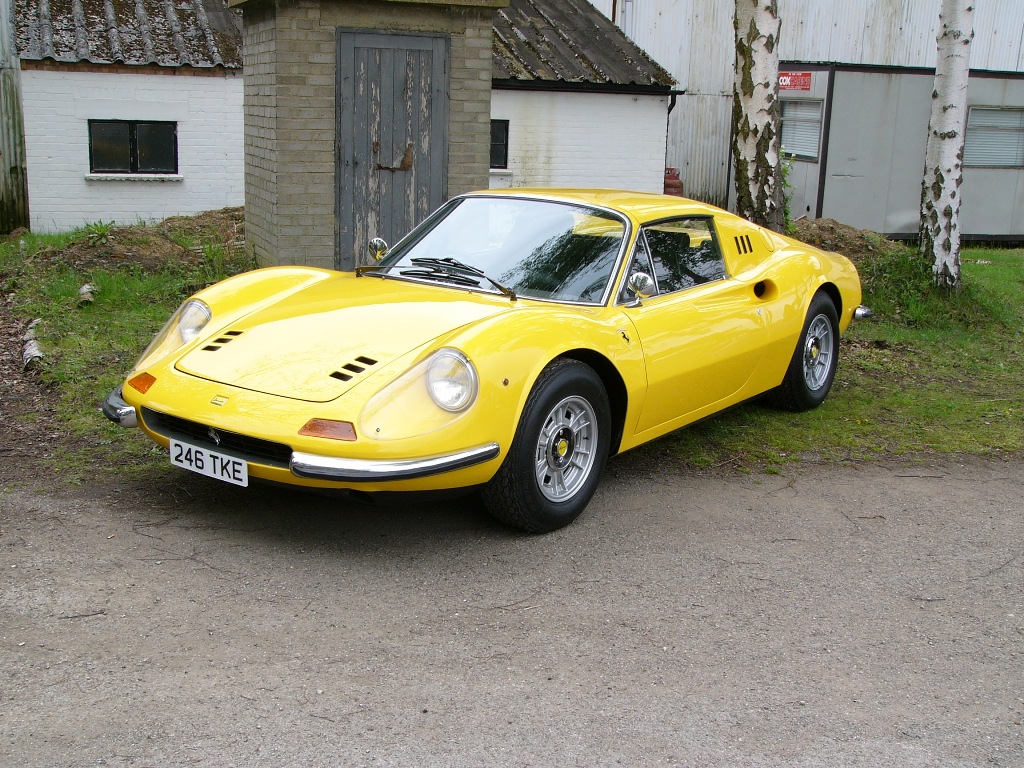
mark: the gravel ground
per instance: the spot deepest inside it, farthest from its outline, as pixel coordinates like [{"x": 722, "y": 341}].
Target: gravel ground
[{"x": 865, "y": 615}]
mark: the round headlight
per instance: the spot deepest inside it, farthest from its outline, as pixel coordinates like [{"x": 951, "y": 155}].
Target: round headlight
[
  {"x": 451, "y": 380},
  {"x": 192, "y": 319}
]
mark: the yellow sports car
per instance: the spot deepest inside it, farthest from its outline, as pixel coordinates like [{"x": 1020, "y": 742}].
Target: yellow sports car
[{"x": 511, "y": 343}]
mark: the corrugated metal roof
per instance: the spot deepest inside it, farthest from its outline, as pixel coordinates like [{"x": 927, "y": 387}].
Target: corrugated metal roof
[
  {"x": 536, "y": 42},
  {"x": 569, "y": 41},
  {"x": 169, "y": 33}
]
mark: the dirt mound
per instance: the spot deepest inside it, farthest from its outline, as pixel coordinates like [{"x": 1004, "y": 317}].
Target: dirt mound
[
  {"x": 858, "y": 245},
  {"x": 177, "y": 240}
]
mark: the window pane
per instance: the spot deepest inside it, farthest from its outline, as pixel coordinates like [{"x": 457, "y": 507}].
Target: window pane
[
  {"x": 109, "y": 147},
  {"x": 157, "y": 152},
  {"x": 684, "y": 254},
  {"x": 801, "y": 128},
  {"x": 995, "y": 138},
  {"x": 499, "y": 143}
]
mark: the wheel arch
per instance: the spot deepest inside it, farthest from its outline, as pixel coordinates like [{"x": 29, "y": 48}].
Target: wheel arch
[
  {"x": 614, "y": 386},
  {"x": 832, "y": 291}
]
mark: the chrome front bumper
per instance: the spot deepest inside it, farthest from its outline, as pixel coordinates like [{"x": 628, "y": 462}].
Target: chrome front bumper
[
  {"x": 118, "y": 411},
  {"x": 314, "y": 466},
  {"x": 862, "y": 313},
  {"x": 368, "y": 470}
]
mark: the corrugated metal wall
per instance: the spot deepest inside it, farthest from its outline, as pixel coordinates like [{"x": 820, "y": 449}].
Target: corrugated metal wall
[
  {"x": 13, "y": 180},
  {"x": 693, "y": 39}
]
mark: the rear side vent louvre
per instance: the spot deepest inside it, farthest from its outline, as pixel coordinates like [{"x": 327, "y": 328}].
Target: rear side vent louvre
[
  {"x": 743, "y": 244},
  {"x": 349, "y": 370}
]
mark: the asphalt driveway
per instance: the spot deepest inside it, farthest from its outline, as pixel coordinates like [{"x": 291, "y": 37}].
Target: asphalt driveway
[{"x": 865, "y": 615}]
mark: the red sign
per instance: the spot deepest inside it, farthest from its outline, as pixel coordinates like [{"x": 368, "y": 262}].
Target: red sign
[{"x": 794, "y": 81}]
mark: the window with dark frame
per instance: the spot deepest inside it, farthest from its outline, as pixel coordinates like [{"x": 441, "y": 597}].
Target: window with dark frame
[
  {"x": 499, "y": 144},
  {"x": 133, "y": 146}
]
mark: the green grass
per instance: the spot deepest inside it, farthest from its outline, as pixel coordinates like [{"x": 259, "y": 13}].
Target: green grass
[
  {"x": 929, "y": 374},
  {"x": 90, "y": 346}
]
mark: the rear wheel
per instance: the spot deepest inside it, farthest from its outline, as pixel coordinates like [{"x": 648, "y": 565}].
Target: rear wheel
[
  {"x": 814, "y": 362},
  {"x": 555, "y": 462}
]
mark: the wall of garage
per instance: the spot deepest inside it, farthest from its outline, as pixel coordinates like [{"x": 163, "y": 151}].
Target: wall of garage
[
  {"x": 584, "y": 139},
  {"x": 58, "y": 105}
]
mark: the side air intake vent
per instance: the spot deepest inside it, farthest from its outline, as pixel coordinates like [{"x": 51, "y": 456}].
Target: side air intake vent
[
  {"x": 743, "y": 245},
  {"x": 350, "y": 370}
]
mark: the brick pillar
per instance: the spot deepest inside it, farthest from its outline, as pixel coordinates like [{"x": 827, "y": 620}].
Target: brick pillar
[{"x": 289, "y": 64}]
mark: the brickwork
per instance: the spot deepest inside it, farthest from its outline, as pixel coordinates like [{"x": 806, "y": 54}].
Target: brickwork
[
  {"x": 290, "y": 52},
  {"x": 259, "y": 64},
  {"x": 57, "y": 106}
]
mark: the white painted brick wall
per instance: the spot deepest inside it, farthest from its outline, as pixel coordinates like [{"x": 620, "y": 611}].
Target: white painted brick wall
[
  {"x": 583, "y": 139},
  {"x": 58, "y": 106}
]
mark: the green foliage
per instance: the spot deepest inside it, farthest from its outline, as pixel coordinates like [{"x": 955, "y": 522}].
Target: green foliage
[
  {"x": 98, "y": 232},
  {"x": 931, "y": 372},
  {"x": 89, "y": 347}
]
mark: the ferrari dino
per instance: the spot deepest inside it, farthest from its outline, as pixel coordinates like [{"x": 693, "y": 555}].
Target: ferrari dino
[{"x": 510, "y": 344}]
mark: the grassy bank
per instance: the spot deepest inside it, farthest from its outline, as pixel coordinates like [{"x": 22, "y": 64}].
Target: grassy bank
[{"x": 927, "y": 374}]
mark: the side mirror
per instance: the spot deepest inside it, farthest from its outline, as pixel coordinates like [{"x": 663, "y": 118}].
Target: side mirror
[
  {"x": 378, "y": 248},
  {"x": 641, "y": 284}
]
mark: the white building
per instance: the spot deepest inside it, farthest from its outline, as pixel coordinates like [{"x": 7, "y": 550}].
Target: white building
[{"x": 136, "y": 118}]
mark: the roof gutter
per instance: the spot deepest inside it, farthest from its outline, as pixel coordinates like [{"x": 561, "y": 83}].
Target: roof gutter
[{"x": 565, "y": 86}]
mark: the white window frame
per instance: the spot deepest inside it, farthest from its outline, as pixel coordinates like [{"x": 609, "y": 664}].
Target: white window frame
[
  {"x": 994, "y": 138},
  {"x": 801, "y": 127}
]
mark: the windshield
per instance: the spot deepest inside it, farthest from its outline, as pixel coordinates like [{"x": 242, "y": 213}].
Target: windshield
[{"x": 532, "y": 248}]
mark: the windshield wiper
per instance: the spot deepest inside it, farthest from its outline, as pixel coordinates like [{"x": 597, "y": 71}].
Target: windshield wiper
[
  {"x": 377, "y": 270},
  {"x": 454, "y": 268},
  {"x": 440, "y": 274}
]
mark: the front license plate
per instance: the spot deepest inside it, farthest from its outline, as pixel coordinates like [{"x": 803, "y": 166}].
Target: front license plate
[{"x": 209, "y": 463}]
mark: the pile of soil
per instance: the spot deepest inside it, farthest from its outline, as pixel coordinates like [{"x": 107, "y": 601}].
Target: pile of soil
[
  {"x": 154, "y": 246},
  {"x": 858, "y": 245}
]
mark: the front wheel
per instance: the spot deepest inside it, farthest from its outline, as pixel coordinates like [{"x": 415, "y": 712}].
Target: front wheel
[
  {"x": 815, "y": 359},
  {"x": 555, "y": 462}
]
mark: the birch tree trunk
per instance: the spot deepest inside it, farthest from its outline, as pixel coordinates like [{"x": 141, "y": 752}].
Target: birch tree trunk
[
  {"x": 943, "y": 165},
  {"x": 756, "y": 145}
]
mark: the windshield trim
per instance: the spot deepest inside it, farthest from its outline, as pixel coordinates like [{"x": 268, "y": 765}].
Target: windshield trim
[{"x": 431, "y": 221}]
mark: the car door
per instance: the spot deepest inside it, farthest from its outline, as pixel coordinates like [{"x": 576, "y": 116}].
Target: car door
[{"x": 701, "y": 330}]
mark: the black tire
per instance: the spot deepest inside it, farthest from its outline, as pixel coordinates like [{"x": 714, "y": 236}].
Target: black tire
[
  {"x": 813, "y": 367},
  {"x": 559, "y": 451}
]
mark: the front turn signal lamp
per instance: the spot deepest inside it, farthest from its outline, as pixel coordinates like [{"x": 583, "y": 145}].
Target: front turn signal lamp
[
  {"x": 142, "y": 382},
  {"x": 332, "y": 430}
]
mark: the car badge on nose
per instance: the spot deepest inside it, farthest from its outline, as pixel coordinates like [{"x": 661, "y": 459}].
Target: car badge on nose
[
  {"x": 214, "y": 435},
  {"x": 219, "y": 400}
]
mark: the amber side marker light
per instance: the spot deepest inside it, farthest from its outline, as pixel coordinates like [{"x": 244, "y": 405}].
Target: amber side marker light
[
  {"x": 333, "y": 430},
  {"x": 142, "y": 382}
]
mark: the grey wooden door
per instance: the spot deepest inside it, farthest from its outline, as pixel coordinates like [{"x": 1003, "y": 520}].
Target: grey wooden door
[{"x": 391, "y": 137}]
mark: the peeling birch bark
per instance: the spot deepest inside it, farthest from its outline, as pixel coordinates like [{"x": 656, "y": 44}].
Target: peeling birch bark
[
  {"x": 757, "y": 150},
  {"x": 944, "y": 152},
  {"x": 32, "y": 352}
]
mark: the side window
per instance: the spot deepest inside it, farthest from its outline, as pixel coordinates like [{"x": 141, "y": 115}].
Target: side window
[{"x": 684, "y": 253}]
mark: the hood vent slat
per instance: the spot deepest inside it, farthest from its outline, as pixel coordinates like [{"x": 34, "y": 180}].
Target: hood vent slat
[{"x": 353, "y": 368}]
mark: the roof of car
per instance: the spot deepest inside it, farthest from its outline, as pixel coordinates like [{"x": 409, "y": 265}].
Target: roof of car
[{"x": 642, "y": 206}]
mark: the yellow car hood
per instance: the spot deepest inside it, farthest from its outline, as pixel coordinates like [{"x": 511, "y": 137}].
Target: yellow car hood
[{"x": 318, "y": 343}]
